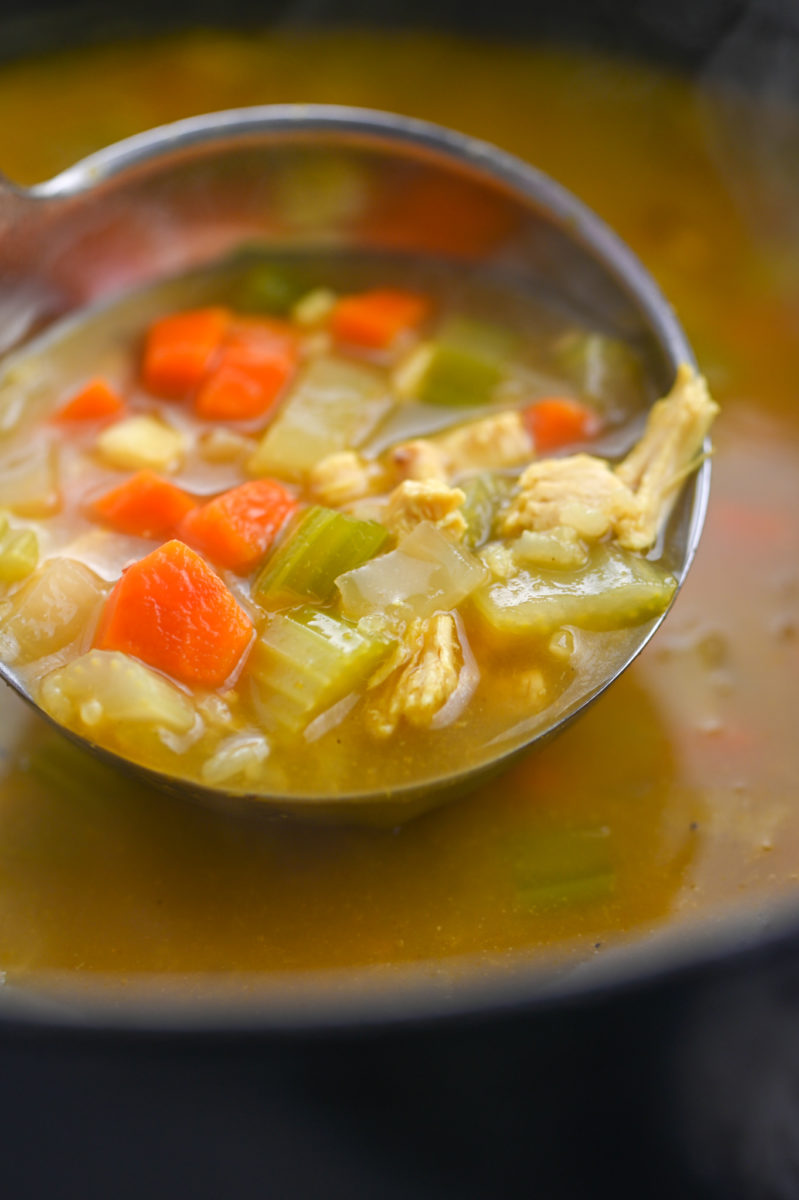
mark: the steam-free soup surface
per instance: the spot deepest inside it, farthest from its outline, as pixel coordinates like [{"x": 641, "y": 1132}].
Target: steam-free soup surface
[{"x": 677, "y": 793}]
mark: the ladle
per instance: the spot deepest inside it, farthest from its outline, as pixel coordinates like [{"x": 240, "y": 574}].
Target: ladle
[{"x": 176, "y": 197}]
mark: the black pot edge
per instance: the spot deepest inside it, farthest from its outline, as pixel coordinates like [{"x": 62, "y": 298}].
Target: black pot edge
[{"x": 685, "y": 36}]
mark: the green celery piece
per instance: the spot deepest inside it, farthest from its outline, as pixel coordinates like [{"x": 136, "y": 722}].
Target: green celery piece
[
  {"x": 306, "y": 661},
  {"x": 269, "y": 288},
  {"x": 614, "y": 589},
  {"x": 456, "y": 378},
  {"x": 494, "y": 343},
  {"x": 562, "y": 868},
  {"x": 19, "y": 554},
  {"x": 322, "y": 545},
  {"x": 334, "y": 405},
  {"x": 604, "y": 369},
  {"x": 464, "y": 363},
  {"x": 484, "y": 493}
]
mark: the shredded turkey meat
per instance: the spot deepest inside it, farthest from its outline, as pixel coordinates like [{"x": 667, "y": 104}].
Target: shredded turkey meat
[
  {"x": 428, "y": 674},
  {"x": 632, "y": 500}
]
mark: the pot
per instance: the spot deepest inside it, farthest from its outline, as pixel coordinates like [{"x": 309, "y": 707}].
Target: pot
[{"x": 663, "y": 1069}]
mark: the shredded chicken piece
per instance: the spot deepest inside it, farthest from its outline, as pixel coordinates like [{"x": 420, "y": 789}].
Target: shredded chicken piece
[
  {"x": 418, "y": 459},
  {"x": 488, "y": 444},
  {"x": 500, "y": 560},
  {"x": 414, "y": 501},
  {"x": 633, "y": 500},
  {"x": 669, "y": 450},
  {"x": 428, "y": 676},
  {"x": 344, "y": 477},
  {"x": 579, "y": 490}
]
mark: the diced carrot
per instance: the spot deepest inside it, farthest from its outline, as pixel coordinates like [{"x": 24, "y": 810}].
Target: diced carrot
[
  {"x": 96, "y": 400},
  {"x": 374, "y": 319},
  {"x": 180, "y": 349},
  {"x": 144, "y": 505},
  {"x": 558, "y": 421},
  {"x": 256, "y": 361},
  {"x": 236, "y": 529},
  {"x": 171, "y": 610}
]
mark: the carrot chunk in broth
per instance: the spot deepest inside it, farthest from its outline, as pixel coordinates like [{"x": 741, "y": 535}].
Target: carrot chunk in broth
[
  {"x": 171, "y": 610},
  {"x": 236, "y": 529}
]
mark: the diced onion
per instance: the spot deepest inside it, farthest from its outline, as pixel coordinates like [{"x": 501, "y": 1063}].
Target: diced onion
[{"x": 427, "y": 573}]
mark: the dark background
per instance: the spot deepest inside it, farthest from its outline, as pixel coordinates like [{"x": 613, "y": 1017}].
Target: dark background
[{"x": 685, "y": 33}]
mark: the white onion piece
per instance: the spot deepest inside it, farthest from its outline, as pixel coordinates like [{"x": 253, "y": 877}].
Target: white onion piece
[{"x": 427, "y": 573}]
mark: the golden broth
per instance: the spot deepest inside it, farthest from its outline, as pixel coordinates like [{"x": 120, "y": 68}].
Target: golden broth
[{"x": 688, "y": 770}]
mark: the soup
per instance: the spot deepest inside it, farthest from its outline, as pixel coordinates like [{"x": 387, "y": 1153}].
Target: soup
[
  {"x": 675, "y": 795},
  {"x": 357, "y": 520}
]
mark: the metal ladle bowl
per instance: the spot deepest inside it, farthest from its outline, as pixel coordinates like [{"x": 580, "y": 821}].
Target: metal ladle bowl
[{"x": 169, "y": 200}]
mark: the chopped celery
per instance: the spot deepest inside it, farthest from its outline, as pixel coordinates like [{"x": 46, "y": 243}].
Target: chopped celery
[
  {"x": 559, "y": 547},
  {"x": 306, "y": 661},
  {"x": 19, "y": 552},
  {"x": 56, "y": 606},
  {"x": 484, "y": 493},
  {"x": 427, "y": 573},
  {"x": 461, "y": 366},
  {"x": 335, "y": 405},
  {"x": 613, "y": 590},
  {"x": 453, "y": 377},
  {"x": 559, "y": 868},
  {"x": 605, "y": 369},
  {"x": 322, "y": 545},
  {"x": 268, "y": 288},
  {"x": 105, "y": 690},
  {"x": 493, "y": 343}
]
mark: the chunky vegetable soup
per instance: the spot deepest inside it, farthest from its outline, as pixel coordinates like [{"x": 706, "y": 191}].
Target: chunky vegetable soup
[
  {"x": 353, "y": 517},
  {"x": 675, "y": 796}
]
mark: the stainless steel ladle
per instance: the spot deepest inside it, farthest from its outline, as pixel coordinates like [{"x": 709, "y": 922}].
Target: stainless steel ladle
[{"x": 174, "y": 198}]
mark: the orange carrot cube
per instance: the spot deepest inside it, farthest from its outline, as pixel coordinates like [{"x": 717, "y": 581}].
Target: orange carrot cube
[
  {"x": 144, "y": 506},
  {"x": 95, "y": 401},
  {"x": 236, "y": 529},
  {"x": 375, "y": 319},
  {"x": 180, "y": 349},
  {"x": 171, "y": 610}
]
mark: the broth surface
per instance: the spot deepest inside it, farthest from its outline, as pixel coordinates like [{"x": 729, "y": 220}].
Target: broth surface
[{"x": 685, "y": 772}]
